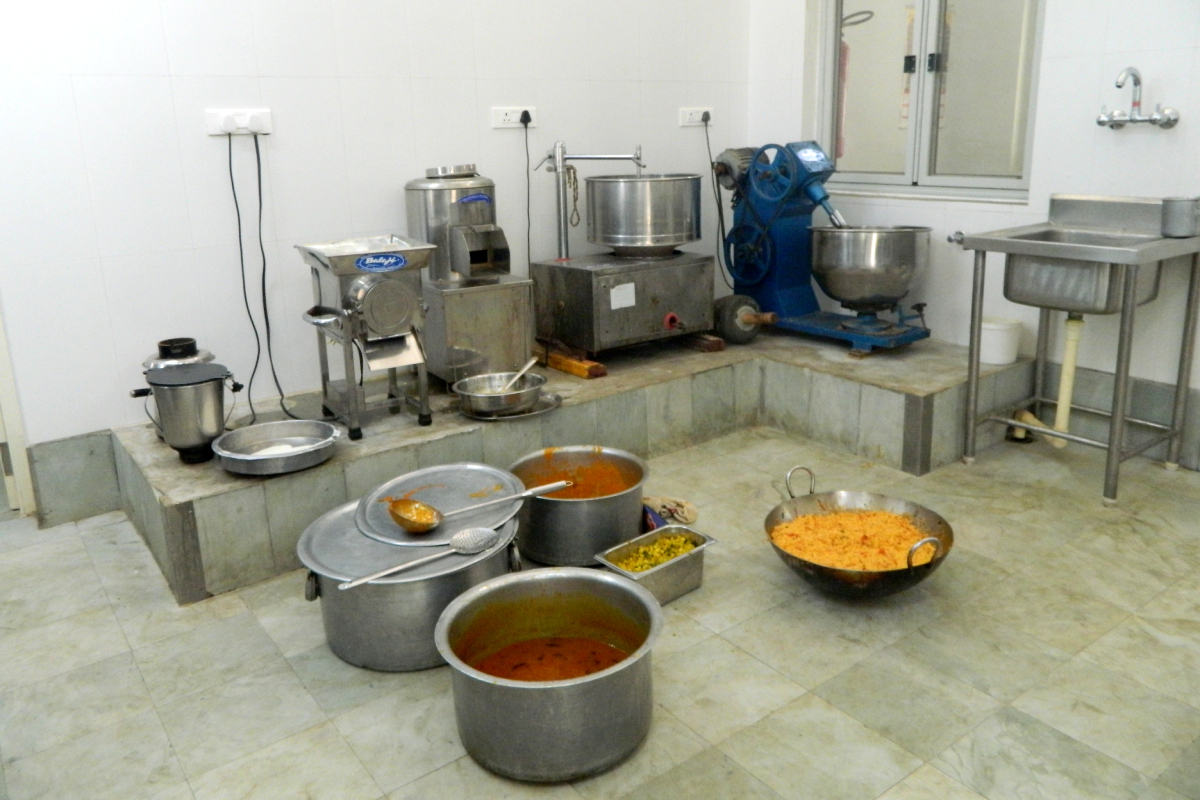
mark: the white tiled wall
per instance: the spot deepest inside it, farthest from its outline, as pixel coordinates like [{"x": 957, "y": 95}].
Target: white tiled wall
[
  {"x": 115, "y": 211},
  {"x": 1086, "y": 44}
]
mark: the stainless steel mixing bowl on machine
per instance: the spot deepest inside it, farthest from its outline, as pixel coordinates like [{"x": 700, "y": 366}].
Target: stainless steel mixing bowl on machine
[
  {"x": 645, "y": 289},
  {"x": 367, "y": 299},
  {"x": 479, "y": 317}
]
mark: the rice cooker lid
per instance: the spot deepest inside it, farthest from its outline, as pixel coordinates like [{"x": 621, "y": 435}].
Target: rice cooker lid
[
  {"x": 334, "y": 547},
  {"x": 186, "y": 374}
]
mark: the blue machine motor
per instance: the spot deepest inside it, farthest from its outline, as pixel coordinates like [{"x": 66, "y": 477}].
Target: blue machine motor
[{"x": 768, "y": 250}]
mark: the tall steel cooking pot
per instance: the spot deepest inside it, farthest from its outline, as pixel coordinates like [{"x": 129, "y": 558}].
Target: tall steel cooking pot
[
  {"x": 570, "y": 532},
  {"x": 190, "y": 399},
  {"x": 551, "y": 730},
  {"x": 643, "y": 215},
  {"x": 868, "y": 268},
  {"x": 387, "y": 624}
]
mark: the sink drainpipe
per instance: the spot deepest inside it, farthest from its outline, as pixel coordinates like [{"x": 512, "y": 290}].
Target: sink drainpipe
[{"x": 1066, "y": 383}]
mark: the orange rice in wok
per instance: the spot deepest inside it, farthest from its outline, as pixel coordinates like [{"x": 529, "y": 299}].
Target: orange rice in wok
[{"x": 869, "y": 541}]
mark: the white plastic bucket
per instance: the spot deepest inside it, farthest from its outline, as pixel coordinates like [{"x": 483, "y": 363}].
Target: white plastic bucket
[{"x": 998, "y": 340}]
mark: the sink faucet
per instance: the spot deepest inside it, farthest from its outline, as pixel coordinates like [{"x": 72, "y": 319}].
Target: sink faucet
[{"x": 1162, "y": 117}]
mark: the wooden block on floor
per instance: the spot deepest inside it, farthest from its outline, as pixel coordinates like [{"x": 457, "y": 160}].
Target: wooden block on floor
[
  {"x": 570, "y": 364},
  {"x": 704, "y": 342}
]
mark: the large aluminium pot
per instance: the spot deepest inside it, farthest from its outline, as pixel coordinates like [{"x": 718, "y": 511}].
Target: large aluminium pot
[
  {"x": 551, "y": 730},
  {"x": 387, "y": 624},
  {"x": 565, "y": 532},
  {"x": 643, "y": 215},
  {"x": 868, "y": 268}
]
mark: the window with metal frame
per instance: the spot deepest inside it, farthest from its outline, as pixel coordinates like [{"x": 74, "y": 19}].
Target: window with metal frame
[{"x": 933, "y": 93}]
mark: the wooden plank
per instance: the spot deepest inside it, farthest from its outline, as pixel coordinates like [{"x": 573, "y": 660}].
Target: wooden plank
[
  {"x": 572, "y": 365},
  {"x": 704, "y": 342}
]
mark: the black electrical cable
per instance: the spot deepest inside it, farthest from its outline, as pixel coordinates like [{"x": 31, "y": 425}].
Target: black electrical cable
[
  {"x": 263, "y": 250},
  {"x": 245, "y": 293},
  {"x": 712, "y": 173},
  {"x": 525, "y": 120}
]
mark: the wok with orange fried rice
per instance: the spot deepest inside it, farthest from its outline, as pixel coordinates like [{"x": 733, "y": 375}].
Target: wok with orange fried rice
[{"x": 857, "y": 544}]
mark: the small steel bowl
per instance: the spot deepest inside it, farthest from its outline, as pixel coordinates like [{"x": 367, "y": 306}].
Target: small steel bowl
[
  {"x": 481, "y": 393},
  {"x": 274, "y": 448},
  {"x": 853, "y": 583}
]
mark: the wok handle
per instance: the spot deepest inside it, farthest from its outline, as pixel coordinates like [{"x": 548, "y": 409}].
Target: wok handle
[
  {"x": 812, "y": 480},
  {"x": 939, "y": 548}
]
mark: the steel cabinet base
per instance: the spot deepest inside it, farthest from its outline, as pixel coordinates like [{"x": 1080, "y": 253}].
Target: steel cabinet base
[
  {"x": 478, "y": 325},
  {"x": 603, "y": 301}
]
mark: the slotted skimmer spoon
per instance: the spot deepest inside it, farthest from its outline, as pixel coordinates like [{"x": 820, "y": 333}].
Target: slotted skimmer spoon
[{"x": 467, "y": 542}]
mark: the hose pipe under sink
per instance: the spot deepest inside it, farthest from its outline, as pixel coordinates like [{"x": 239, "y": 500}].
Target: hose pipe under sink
[{"x": 1066, "y": 382}]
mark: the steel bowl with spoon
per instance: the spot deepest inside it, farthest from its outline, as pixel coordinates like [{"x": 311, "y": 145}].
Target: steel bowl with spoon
[
  {"x": 485, "y": 394},
  {"x": 417, "y": 517},
  {"x": 860, "y": 583}
]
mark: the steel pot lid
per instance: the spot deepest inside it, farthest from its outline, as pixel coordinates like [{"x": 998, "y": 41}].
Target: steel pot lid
[
  {"x": 173, "y": 352},
  {"x": 334, "y": 547},
  {"x": 186, "y": 374},
  {"x": 458, "y": 171}
]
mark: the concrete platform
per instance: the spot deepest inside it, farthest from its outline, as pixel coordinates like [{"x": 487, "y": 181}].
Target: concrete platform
[{"x": 212, "y": 532}]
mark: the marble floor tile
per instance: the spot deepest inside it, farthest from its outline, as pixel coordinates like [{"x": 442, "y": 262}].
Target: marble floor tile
[
  {"x": 294, "y": 624},
  {"x": 1125, "y": 585},
  {"x": 1160, "y": 654},
  {"x": 288, "y": 586},
  {"x": 406, "y": 734},
  {"x": 910, "y": 703},
  {"x": 1138, "y": 543},
  {"x": 928, "y": 783},
  {"x": 727, "y": 597},
  {"x": 1012, "y": 755},
  {"x": 717, "y": 689},
  {"x": 711, "y": 775},
  {"x": 65, "y": 707},
  {"x": 316, "y": 764},
  {"x": 783, "y": 637},
  {"x": 1008, "y": 540},
  {"x": 180, "y": 791},
  {"x": 101, "y": 521},
  {"x": 21, "y": 532},
  {"x": 668, "y": 745},
  {"x": 46, "y": 582},
  {"x": 961, "y": 578},
  {"x": 1065, "y": 617},
  {"x": 1178, "y": 606},
  {"x": 679, "y": 633},
  {"x": 1183, "y": 775},
  {"x": 205, "y": 657},
  {"x": 802, "y": 750},
  {"x": 983, "y": 653},
  {"x": 228, "y": 721},
  {"x": 464, "y": 778},
  {"x": 153, "y": 616},
  {"x": 1113, "y": 714},
  {"x": 130, "y": 760},
  {"x": 34, "y": 654},
  {"x": 338, "y": 687}
]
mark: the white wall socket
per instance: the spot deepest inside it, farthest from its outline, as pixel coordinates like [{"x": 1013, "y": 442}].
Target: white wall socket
[
  {"x": 693, "y": 116},
  {"x": 510, "y": 116},
  {"x": 238, "y": 121}
]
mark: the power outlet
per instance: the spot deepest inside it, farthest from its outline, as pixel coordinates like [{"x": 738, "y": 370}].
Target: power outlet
[
  {"x": 238, "y": 121},
  {"x": 510, "y": 116},
  {"x": 693, "y": 116}
]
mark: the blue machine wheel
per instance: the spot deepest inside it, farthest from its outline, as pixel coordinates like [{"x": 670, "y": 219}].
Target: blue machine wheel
[
  {"x": 749, "y": 254},
  {"x": 773, "y": 179}
]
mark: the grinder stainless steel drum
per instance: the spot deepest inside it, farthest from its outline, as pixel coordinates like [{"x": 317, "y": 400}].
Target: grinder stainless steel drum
[{"x": 868, "y": 268}]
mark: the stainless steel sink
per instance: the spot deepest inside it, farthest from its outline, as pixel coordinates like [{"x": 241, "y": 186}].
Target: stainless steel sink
[{"x": 1071, "y": 262}]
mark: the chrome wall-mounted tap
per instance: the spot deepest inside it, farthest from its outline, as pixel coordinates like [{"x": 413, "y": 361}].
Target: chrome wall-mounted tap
[{"x": 1162, "y": 117}]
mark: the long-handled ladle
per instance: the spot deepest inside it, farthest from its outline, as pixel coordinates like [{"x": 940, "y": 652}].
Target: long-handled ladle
[
  {"x": 417, "y": 517},
  {"x": 467, "y": 542}
]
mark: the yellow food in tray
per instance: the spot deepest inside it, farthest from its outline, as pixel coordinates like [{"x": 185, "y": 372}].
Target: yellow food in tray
[
  {"x": 649, "y": 556},
  {"x": 870, "y": 541}
]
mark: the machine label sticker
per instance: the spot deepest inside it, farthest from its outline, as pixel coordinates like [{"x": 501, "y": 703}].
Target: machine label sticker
[
  {"x": 475, "y": 198},
  {"x": 388, "y": 262},
  {"x": 622, "y": 296},
  {"x": 809, "y": 154}
]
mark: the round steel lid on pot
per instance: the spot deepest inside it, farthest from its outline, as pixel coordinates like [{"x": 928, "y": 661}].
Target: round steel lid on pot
[
  {"x": 333, "y": 546},
  {"x": 186, "y": 374}
]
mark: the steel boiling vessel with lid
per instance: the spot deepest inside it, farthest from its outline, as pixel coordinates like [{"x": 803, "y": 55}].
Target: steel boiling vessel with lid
[{"x": 191, "y": 406}]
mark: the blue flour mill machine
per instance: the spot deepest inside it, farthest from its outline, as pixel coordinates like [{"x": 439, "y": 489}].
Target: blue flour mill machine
[{"x": 773, "y": 252}]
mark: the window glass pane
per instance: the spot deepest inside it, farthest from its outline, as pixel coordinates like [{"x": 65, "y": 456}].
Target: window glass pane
[
  {"x": 873, "y": 88},
  {"x": 982, "y": 99}
]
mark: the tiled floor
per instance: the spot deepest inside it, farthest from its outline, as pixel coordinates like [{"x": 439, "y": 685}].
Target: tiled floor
[{"x": 1056, "y": 654}]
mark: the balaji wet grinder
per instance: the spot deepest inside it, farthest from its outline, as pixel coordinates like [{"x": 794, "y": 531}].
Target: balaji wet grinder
[{"x": 773, "y": 251}]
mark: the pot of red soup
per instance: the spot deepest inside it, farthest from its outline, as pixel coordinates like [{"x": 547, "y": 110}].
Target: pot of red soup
[
  {"x": 601, "y": 509},
  {"x": 551, "y": 671}
]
